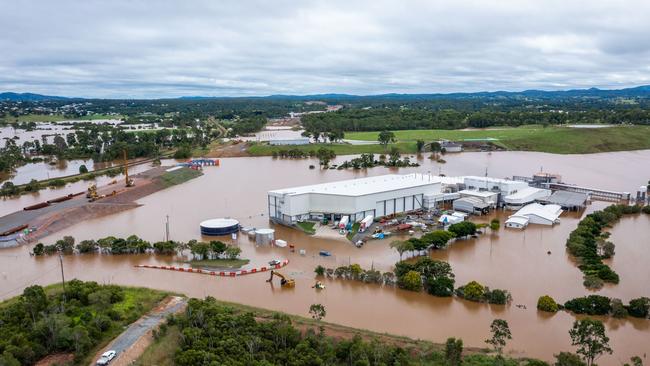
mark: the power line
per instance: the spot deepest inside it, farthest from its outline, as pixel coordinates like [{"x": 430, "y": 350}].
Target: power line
[{"x": 24, "y": 284}]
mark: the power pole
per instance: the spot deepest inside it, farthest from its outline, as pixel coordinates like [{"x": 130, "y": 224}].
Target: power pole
[
  {"x": 167, "y": 229},
  {"x": 62, "y": 275}
]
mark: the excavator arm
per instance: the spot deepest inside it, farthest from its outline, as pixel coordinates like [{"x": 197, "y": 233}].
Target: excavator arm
[{"x": 284, "y": 282}]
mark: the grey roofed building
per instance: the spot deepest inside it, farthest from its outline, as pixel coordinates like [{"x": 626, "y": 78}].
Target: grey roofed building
[
  {"x": 471, "y": 205},
  {"x": 568, "y": 200}
]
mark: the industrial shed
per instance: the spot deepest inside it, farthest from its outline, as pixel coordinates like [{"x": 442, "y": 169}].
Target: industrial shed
[
  {"x": 489, "y": 197},
  {"x": 504, "y": 187},
  {"x": 539, "y": 214},
  {"x": 526, "y": 196},
  {"x": 377, "y": 196},
  {"x": 517, "y": 222},
  {"x": 568, "y": 200},
  {"x": 471, "y": 205}
]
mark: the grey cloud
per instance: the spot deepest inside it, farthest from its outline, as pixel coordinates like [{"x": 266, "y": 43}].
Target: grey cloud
[{"x": 168, "y": 48}]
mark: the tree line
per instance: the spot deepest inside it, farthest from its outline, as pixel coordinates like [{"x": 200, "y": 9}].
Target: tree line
[
  {"x": 378, "y": 119},
  {"x": 598, "y": 305},
  {"x": 589, "y": 243},
  {"x": 135, "y": 245}
]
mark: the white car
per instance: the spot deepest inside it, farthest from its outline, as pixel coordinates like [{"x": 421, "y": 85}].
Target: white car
[
  {"x": 274, "y": 262},
  {"x": 106, "y": 357}
]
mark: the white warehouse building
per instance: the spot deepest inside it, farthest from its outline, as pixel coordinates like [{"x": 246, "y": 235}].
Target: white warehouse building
[{"x": 378, "y": 196}]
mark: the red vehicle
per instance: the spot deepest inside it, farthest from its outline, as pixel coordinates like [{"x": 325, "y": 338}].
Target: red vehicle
[{"x": 404, "y": 226}]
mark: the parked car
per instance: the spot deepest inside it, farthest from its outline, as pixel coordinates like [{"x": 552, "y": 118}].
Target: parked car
[
  {"x": 274, "y": 262},
  {"x": 106, "y": 358}
]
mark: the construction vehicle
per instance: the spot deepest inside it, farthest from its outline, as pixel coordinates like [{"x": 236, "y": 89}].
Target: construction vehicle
[
  {"x": 128, "y": 181},
  {"x": 284, "y": 281},
  {"x": 91, "y": 194}
]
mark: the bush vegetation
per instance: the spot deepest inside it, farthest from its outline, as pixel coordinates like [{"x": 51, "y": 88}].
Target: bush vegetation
[
  {"x": 135, "y": 245},
  {"x": 602, "y": 305},
  {"x": 212, "y": 333},
  {"x": 547, "y": 304},
  {"x": 51, "y": 320}
]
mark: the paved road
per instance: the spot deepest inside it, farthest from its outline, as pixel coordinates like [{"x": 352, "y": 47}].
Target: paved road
[{"x": 140, "y": 328}]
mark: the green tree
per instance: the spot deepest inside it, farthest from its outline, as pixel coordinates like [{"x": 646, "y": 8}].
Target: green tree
[
  {"x": 402, "y": 246},
  {"x": 590, "y": 338},
  {"x": 325, "y": 156},
  {"x": 420, "y": 145},
  {"x": 411, "y": 281},
  {"x": 83, "y": 169},
  {"x": 386, "y": 137},
  {"x": 437, "y": 239},
  {"x": 393, "y": 156},
  {"x": 317, "y": 311},
  {"x": 636, "y": 361},
  {"x": 218, "y": 247},
  {"x": 463, "y": 229},
  {"x": 639, "y": 307},
  {"x": 39, "y": 249},
  {"x": 200, "y": 249},
  {"x": 500, "y": 335},
  {"x": 232, "y": 252},
  {"x": 472, "y": 291},
  {"x": 34, "y": 300},
  {"x": 495, "y": 224},
  {"x": 547, "y": 303},
  {"x": 568, "y": 359},
  {"x": 320, "y": 270},
  {"x": 454, "y": 351}
]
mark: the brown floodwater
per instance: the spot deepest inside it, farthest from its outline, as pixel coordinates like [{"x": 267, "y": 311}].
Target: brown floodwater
[{"x": 512, "y": 260}]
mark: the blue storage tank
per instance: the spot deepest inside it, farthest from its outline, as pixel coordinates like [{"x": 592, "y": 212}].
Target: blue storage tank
[{"x": 218, "y": 227}]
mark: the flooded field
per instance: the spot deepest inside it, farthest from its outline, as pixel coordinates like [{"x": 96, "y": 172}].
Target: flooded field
[{"x": 512, "y": 260}]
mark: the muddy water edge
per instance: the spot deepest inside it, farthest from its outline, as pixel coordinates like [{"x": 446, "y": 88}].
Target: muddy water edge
[{"x": 512, "y": 260}]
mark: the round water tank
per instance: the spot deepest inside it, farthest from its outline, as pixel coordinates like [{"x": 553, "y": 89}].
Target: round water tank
[
  {"x": 264, "y": 236},
  {"x": 219, "y": 227}
]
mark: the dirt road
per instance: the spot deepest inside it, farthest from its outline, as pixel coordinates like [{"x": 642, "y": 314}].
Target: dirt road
[{"x": 134, "y": 340}]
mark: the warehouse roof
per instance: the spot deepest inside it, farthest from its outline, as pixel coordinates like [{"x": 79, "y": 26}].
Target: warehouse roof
[
  {"x": 520, "y": 220},
  {"x": 476, "y": 202},
  {"x": 568, "y": 199},
  {"x": 365, "y": 186},
  {"x": 547, "y": 212},
  {"x": 526, "y": 195},
  {"x": 477, "y": 193}
]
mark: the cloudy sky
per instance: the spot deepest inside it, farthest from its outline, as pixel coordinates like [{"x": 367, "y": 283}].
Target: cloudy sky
[{"x": 150, "y": 49}]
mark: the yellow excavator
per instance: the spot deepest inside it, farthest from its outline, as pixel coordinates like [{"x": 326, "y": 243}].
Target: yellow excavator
[
  {"x": 92, "y": 192},
  {"x": 284, "y": 281}
]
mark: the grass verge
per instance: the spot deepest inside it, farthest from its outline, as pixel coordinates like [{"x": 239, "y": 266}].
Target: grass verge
[
  {"x": 353, "y": 231},
  {"x": 219, "y": 263},
  {"x": 307, "y": 227},
  {"x": 179, "y": 176},
  {"x": 552, "y": 139},
  {"x": 339, "y": 149},
  {"x": 161, "y": 351}
]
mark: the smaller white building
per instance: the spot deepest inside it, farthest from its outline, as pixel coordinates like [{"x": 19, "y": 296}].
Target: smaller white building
[
  {"x": 517, "y": 222},
  {"x": 526, "y": 196},
  {"x": 295, "y": 141},
  {"x": 536, "y": 213},
  {"x": 453, "y": 218},
  {"x": 488, "y": 197},
  {"x": 504, "y": 187}
]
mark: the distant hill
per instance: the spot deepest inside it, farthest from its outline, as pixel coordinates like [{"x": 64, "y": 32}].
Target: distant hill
[
  {"x": 28, "y": 97},
  {"x": 639, "y": 91}
]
